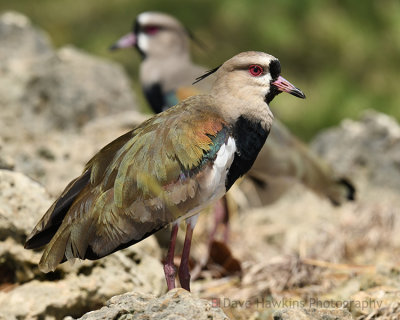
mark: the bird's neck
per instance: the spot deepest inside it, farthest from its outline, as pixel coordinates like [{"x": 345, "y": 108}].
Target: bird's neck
[
  {"x": 156, "y": 69},
  {"x": 253, "y": 109},
  {"x": 250, "y": 137}
]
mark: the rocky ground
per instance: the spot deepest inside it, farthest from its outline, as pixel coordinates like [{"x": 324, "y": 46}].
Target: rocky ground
[{"x": 300, "y": 257}]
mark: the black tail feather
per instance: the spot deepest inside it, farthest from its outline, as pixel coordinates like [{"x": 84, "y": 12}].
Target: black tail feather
[
  {"x": 58, "y": 213},
  {"x": 351, "y": 190}
]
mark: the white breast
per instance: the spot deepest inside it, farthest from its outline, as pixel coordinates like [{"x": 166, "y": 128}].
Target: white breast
[
  {"x": 224, "y": 159},
  {"x": 212, "y": 183}
]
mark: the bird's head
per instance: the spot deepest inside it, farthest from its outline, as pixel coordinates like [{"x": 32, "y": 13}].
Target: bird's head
[
  {"x": 155, "y": 34},
  {"x": 245, "y": 85},
  {"x": 253, "y": 74}
]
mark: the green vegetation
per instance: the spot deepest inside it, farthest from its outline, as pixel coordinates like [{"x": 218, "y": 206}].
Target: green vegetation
[{"x": 344, "y": 54}]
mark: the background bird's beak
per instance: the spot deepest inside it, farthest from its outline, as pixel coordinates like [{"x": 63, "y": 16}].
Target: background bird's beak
[
  {"x": 127, "y": 41},
  {"x": 285, "y": 86}
]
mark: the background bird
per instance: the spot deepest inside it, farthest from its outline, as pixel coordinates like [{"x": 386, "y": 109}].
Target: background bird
[
  {"x": 166, "y": 75},
  {"x": 167, "y": 169}
]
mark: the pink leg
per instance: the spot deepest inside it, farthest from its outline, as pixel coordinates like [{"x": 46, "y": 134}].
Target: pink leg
[
  {"x": 169, "y": 268},
  {"x": 225, "y": 220},
  {"x": 184, "y": 274},
  {"x": 221, "y": 216}
]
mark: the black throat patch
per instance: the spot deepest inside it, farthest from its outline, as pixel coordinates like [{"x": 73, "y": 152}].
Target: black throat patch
[
  {"x": 155, "y": 97},
  {"x": 275, "y": 71},
  {"x": 249, "y": 137}
]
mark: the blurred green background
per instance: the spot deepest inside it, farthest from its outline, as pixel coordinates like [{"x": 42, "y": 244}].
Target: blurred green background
[{"x": 345, "y": 55}]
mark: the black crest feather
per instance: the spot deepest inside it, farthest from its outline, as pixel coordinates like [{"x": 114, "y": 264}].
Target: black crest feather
[
  {"x": 196, "y": 40},
  {"x": 208, "y": 73}
]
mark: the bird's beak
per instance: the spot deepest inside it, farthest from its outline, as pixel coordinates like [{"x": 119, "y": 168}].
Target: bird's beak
[
  {"x": 127, "y": 41},
  {"x": 281, "y": 84}
]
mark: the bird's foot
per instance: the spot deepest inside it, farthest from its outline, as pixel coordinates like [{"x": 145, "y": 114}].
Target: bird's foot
[
  {"x": 184, "y": 276},
  {"x": 170, "y": 272}
]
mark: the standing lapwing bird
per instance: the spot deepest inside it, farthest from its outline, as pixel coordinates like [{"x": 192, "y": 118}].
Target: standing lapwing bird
[
  {"x": 166, "y": 170},
  {"x": 167, "y": 73}
]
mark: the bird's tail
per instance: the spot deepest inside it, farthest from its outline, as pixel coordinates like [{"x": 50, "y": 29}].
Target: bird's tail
[
  {"x": 69, "y": 242},
  {"x": 284, "y": 157},
  {"x": 340, "y": 191}
]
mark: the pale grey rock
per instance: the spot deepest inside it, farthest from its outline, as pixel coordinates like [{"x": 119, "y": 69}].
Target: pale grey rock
[
  {"x": 17, "y": 264},
  {"x": 22, "y": 203},
  {"x": 73, "y": 87},
  {"x": 176, "y": 304},
  {"x": 6, "y": 161},
  {"x": 20, "y": 39},
  {"x": 22, "y": 46},
  {"x": 74, "y": 289},
  {"x": 312, "y": 314},
  {"x": 368, "y": 149},
  {"x": 42, "y": 89},
  {"x": 38, "y": 299}
]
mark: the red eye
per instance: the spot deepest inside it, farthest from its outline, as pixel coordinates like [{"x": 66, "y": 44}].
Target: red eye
[
  {"x": 256, "y": 70},
  {"x": 151, "y": 30}
]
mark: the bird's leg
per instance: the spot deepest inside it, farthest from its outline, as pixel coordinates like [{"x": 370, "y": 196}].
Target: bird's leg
[
  {"x": 225, "y": 219},
  {"x": 221, "y": 216},
  {"x": 169, "y": 267},
  {"x": 184, "y": 274}
]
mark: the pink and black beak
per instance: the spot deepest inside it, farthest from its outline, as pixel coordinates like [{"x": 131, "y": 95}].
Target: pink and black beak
[
  {"x": 282, "y": 85},
  {"x": 127, "y": 41}
]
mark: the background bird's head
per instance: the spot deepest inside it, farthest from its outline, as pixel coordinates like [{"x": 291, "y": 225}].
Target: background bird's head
[
  {"x": 156, "y": 34},
  {"x": 252, "y": 76}
]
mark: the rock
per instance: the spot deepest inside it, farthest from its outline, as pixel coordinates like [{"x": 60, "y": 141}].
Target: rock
[
  {"x": 42, "y": 89},
  {"x": 80, "y": 287},
  {"x": 22, "y": 46},
  {"x": 176, "y": 304},
  {"x": 72, "y": 87},
  {"x": 380, "y": 301},
  {"x": 6, "y": 161},
  {"x": 37, "y": 299},
  {"x": 368, "y": 150},
  {"x": 20, "y": 39},
  {"x": 312, "y": 314},
  {"x": 22, "y": 203},
  {"x": 17, "y": 265}
]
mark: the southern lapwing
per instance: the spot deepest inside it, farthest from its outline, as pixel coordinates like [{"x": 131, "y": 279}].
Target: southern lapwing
[{"x": 166, "y": 170}]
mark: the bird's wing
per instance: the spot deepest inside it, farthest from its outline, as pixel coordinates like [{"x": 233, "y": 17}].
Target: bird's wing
[
  {"x": 52, "y": 219},
  {"x": 285, "y": 156},
  {"x": 172, "y": 98},
  {"x": 138, "y": 184}
]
